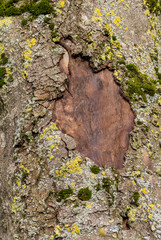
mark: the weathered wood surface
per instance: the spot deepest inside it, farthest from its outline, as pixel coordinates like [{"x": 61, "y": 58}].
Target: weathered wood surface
[{"x": 94, "y": 113}]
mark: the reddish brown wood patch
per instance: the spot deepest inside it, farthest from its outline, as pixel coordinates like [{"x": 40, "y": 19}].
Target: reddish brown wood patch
[{"x": 94, "y": 113}]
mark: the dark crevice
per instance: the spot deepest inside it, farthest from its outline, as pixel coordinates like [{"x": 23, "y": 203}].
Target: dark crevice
[{"x": 125, "y": 223}]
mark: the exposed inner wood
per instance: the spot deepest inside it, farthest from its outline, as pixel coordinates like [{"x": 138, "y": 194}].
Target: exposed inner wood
[{"x": 94, "y": 113}]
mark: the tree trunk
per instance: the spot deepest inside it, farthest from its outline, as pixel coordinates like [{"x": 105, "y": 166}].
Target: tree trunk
[{"x": 80, "y": 120}]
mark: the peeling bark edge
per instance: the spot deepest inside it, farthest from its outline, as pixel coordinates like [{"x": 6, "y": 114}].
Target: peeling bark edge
[{"x": 126, "y": 130}]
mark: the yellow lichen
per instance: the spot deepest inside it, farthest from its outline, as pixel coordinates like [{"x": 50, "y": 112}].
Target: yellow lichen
[
  {"x": 57, "y": 230},
  {"x": 49, "y": 138},
  {"x": 27, "y": 55},
  {"x": 95, "y": 19},
  {"x": 147, "y": 13},
  {"x": 89, "y": 205},
  {"x": 46, "y": 130},
  {"x": 61, "y": 4},
  {"x": 112, "y": 13},
  {"x": 151, "y": 206},
  {"x": 31, "y": 42},
  {"x": 155, "y": 116},
  {"x": 97, "y": 11},
  {"x": 150, "y": 216},
  {"x": 103, "y": 57},
  {"x": 18, "y": 181},
  {"x": 111, "y": 221},
  {"x": 153, "y": 228},
  {"x": 57, "y": 137},
  {"x": 114, "y": 235},
  {"x": 133, "y": 182},
  {"x": 41, "y": 136},
  {"x": 93, "y": 176},
  {"x": 6, "y": 21},
  {"x": 8, "y": 71},
  {"x": 131, "y": 214},
  {"x": 24, "y": 168},
  {"x": 71, "y": 166},
  {"x": 75, "y": 229},
  {"x": 117, "y": 21},
  {"x": 135, "y": 173},
  {"x": 152, "y": 33},
  {"x": 73, "y": 185},
  {"x": 144, "y": 190},
  {"x": 107, "y": 26},
  {"x": 110, "y": 55},
  {"x": 25, "y": 73},
  {"x": 115, "y": 44},
  {"x": 26, "y": 65},
  {"x": 102, "y": 232},
  {"x": 103, "y": 173},
  {"x": 16, "y": 207}
]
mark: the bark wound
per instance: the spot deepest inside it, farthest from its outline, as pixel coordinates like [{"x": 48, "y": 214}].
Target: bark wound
[{"x": 94, "y": 113}]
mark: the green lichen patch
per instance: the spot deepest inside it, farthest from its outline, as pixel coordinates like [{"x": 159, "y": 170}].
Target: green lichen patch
[
  {"x": 116, "y": 175},
  {"x": 54, "y": 34},
  {"x": 84, "y": 194},
  {"x": 24, "y": 22},
  {"x": 106, "y": 184},
  {"x": 51, "y": 26},
  {"x": 135, "y": 198},
  {"x": 24, "y": 175},
  {"x": 47, "y": 19},
  {"x": 95, "y": 169},
  {"x": 12, "y": 11},
  {"x": 158, "y": 74},
  {"x": 4, "y": 59},
  {"x": 111, "y": 200},
  {"x": 64, "y": 194},
  {"x": 76, "y": 205},
  {"x": 120, "y": 62},
  {"x": 139, "y": 122},
  {"x": 42, "y": 7},
  {"x": 2, "y": 76},
  {"x": 98, "y": 186},
  {"x": 8, "y": 8},
  {"x": 139, "y": 83}
]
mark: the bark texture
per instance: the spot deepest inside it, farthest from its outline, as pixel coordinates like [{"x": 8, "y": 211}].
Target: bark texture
[{"x": 80, "y": 87}]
